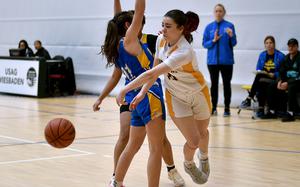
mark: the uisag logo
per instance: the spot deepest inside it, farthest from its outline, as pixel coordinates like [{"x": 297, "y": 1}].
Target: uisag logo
[{"x": 31, "y": 77}]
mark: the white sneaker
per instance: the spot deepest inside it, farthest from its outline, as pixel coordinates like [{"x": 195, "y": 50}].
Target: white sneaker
[
  {"x": 174, "y": 176},
  {"x": 203, "y": 165},
  {"x": 114, "y": 183},
  {"x": 112, "y": 179},
  {"x": 197, "y": 176}
]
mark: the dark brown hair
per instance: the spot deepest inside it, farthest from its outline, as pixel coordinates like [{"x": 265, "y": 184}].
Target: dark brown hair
[
  {"x": 189, "y": 20},
  {"x": 116, "y": 29},
  {"x": 25, "y": 43},
  {"x": 270, "y": 38}
]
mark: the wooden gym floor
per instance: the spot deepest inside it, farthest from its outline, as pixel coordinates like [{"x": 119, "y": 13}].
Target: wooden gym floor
[{"x": 243, "y": 152}]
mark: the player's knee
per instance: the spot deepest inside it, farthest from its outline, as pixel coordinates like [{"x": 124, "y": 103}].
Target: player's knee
[
  {"x": 123, "y": 138},
  {"x": 155, "y": 147},
  {"x": 204, "y": 134},
  {"x": 193, "y": 143},
  {"x": 132, "y": 149}
]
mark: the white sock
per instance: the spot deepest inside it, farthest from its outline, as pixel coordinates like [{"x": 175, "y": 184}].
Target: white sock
[
  {"x": 204, "y": 155},
  {"x": 189, "y": 163}
]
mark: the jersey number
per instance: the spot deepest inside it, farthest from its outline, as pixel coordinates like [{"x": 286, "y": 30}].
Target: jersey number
[{"x": 172, "y": 77}]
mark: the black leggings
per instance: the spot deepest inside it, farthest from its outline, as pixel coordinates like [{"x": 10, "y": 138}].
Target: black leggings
[
  {"x": 226, "y": 73},
  {"x": 277, "y": 99},
  {"x": 293, "y": 91},
  {"x": 259, "y": 88}
]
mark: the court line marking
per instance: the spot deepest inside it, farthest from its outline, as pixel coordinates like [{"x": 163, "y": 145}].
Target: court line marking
[
  {"x": 258, "y": 129},
  {"x": 42, "y": 158},
  {"x": 249, "y": 149},
  {"x": 81, "y": 152}
]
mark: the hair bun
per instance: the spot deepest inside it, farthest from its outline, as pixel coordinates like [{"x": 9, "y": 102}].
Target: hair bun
[{"x": 192, "y": 22}]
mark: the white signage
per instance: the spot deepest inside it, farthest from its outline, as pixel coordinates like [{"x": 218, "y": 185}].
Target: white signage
[{"x": 19, "y": 76}]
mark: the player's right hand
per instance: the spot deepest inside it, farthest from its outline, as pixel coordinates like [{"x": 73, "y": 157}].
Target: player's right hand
[
  {"x": 137, "y": 99},
  {"x": 96, "y": 106}
]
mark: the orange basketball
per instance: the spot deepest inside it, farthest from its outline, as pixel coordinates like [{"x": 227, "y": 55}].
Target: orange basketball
[{"x": 60, "y": 133}]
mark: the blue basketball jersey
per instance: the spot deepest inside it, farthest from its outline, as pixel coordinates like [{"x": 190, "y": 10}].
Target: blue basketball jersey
[
  {"x": 133, "y": 66},
  {"x": 152, "y": 106}
]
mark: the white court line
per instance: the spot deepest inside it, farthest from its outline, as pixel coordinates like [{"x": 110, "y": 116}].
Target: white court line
[
  {"x": 40, "y": 159},
  {"x": 82, "y": 153}
]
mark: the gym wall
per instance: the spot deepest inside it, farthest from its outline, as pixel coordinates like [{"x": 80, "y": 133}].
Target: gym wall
[{"x": 77, "y": 28}]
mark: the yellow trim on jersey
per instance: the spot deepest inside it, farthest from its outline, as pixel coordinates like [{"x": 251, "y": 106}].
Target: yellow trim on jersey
[
  {"x": 143, "y": 59},
  {"x": 162, "y": 43},
  {"x": 205, "y": 91},
  {"x": 172, "y": 50},
  {"x": 196, "y": 74},
  {"x": 155, "y": 106},
  {"x": 169, "y": 103},
  {"x": 144, "y": 39}
]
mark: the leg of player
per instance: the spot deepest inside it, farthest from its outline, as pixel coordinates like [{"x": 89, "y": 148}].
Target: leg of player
[
  {"x": 202, "y": 126},
  {"x": 167, "y": 155},
  {"x": 155, "y": 133},
  {"x": 125, "y": 117},
  {"x": 188, "y": 128},
  {"x": 136, "y": 139}
]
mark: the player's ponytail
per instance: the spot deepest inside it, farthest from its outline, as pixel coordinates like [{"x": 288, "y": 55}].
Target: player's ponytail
[
  {"x": 190, "y": 22},
  {"x": 116, "y": 29},
  {"x": 110, "y": 47},
  {"x": 191, "y": 25}
]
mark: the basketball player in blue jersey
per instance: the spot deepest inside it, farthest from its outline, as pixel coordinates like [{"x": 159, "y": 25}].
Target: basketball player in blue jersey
[{"x": 144, "y": 62}]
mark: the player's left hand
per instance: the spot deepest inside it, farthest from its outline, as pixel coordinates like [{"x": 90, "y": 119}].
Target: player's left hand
[
  {"x": 121, "y": 98},
  {"x": 137, "y": 99}
]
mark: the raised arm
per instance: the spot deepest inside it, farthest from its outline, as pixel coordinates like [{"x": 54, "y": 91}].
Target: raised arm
[
  {"x": 131, "y": 41},
  {"x": 117, "y": 7}
]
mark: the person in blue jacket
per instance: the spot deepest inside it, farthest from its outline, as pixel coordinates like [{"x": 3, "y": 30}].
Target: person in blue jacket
[
  {"x": 220, "y": 38},
  {"x": 267, "y": 71}
]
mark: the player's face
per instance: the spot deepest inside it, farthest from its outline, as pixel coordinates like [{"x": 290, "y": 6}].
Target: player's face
[
  {"x": 219, "y": 13},
  {"x": 269, "y": 45},
  {"x": 170, "y": 30}
]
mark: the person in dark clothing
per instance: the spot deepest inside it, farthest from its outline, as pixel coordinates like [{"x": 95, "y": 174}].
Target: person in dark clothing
[
  {"x": 267, "y": 72},
  {"x": 289, "y": 81},
  {"x": 41, "y": 51},
  {"x": 26, "y": 50},
  {"x": 219, "y": 39}
]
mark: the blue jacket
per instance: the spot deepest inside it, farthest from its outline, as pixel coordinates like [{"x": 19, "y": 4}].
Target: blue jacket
[
  {"x": 278, "y": 58},
  {"x": 220, "y": 52}
]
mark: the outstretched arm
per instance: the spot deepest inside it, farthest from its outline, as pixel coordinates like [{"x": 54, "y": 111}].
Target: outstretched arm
[
  {"x": 147, "y": 79},
  {"x": 144, "y": 90},
  {"x": 117, "y": 7},
  {"x": 131, "y": 41},
  {"x": 176, "y": 60}
]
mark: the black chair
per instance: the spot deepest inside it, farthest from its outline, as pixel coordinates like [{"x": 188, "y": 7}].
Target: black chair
[
  {"x": 70, "y": 84},
  {"x": 56, "y": 77},
  {"x": 58, "y": 57}
]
